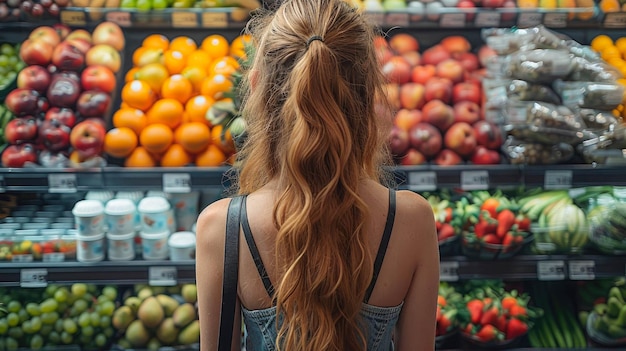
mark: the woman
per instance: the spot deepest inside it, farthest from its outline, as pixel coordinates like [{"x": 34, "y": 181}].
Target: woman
[{"x": 319, "y": 219}]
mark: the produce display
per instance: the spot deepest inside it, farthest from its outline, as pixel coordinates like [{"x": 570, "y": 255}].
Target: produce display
[
  {"x": 605, "y": 322},
  {"x": 14, "y": 10}
]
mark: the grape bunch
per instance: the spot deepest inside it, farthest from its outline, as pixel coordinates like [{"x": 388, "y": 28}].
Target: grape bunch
[
  {"x": 13, "y": 9},
  {"x": 10, "y": 63}
]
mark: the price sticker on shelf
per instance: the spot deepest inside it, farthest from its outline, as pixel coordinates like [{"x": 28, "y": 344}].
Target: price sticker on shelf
[
  {"x": 452, "y": 20},
  {"x": 400, "y": 19},
  {"x": 555, "y": 19},
  {"x": 582, "y": 270},
  {"x": 73, "y": 18},
  {"x": 53, "y": 257},
  {"x": 554, "y": 179},
  {"x": 214, "y": 19},
  {"x": 34, "y": 278},
  {"x": 423, "y": 181},
  {"x": 26, "y": 258},
  {"x": 615, "y": 20},
  {"x": 176, "y": 182},
  {"x": 529, "y": 19},
  {"x": 551, "y": 270},
  {"x": 3, "y": 184},
  {"x": 121, "y": 18},
  {"x": 487, "y": 19},
  {"x": 449, "y": 271},
  {"x": 162, "y": 276},
  {"x": 474, "y": 180},
  {"x": 184, "y": 19},
  {"x": 62, "y": 183}
]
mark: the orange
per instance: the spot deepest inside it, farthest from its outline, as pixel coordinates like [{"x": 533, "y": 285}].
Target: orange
[
  {"x": 157, "y": 41},
  {"x": 130, "y": 75},
  {"x": 140, "y": 157},
  {"x": 193, "y": 136},
  {"x": 621, "y": 45},
  {"x": 196, "y": 75},
  {"x": 211, "y": 157},
  {"x": 128, "y": 117},
  {"x": 214, "y": 86},
  {"x": 166, "y": 111},
  {"x": 175, "y": 156},
  {"x": 238, "y": 46},
  {"x": 154, "y": 74},
  {"x": 156, "y": 138},
  {"x": 225, "y": 65},
  {"x": 138, "y": 94},
  {"x": 120, "y": 142},
  {"x": 610, "y": 52},
  {"x": 174, "y": 61},
  {"x": 197, "y": 107},
  {"x": 199, "y": 58},
  {"x": 215, "y": 45},
  {"x": 609, "y": 6},
  {"x": 222, "y": 139},
  {"x": 183, "y": 44},
  {"x": 600, "y": 42},
  {"x": 177, "y": 87}
]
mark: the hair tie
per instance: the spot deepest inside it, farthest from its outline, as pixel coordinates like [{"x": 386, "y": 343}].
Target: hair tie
[{"x": 313, "y": 38}]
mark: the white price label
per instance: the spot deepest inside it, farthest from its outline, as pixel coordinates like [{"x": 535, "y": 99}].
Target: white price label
[
  {"x": 62, "y": 182},
  {"x": 558, "y": 179},
  {"x": 551, "y": 270},
  {"x": 475, "y": 180},
  {"x": 3, "y": 184},
  {"x": 555, "y": 19},
  {"x": 615, "y": 20},
  {"x": 452, "y": 20},
  {"x": 529, "y": 19},
  {"x": 26, "y": 258},
  {"x": 214, "y": 19},
  {"x": 582, "y": 270},
  {"x": 162, "y": 276},
  {"x": 53, "y": 257},
  {"x": 184, "y": 20},
  {"x": 423, "y": 181},
  {"x": 121, "y": 18},
  {"x": 176, "y": 182},
  {"x": 400, "y": 19},
  {"x": 487, "y": 19},
  {"x": 449, "y": 271},
  {"x": 34, "y": 278}
]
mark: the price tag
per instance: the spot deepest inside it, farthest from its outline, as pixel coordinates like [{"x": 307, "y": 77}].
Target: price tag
[
  {"x": 214, "y": 19},
  {"x": 73, "y": 18},
  {"x": 22, "y": 258},
  {"x": 62, "y": 182},
  {"x": 615, "y": 20},
  {"x": 162, "y": 276},
  {"x": 121, "y": 18},
  {"x": 557, "y": 179},
  {"x": 34, "y": 278},
  {"x": 176, "y": 182},
  {"x": 452, "y": 20},
  {"x": 555, "y": 19},
  {"x": 184, "y": 19},
  {"x": 551, "y": 270},
  {"x": 423, "y": 181},
  {"x": 487, "y": 19},
  {"x": 582, "y": 270},
  {"x": 449, "y": 271},
  {"x": 400, "y": 19},
  {"x": 54, "y": 257},
  {"x": 475, "y": 180},
  {"x": 3, "y": 184},
  {"x": 529, "y": 19}
]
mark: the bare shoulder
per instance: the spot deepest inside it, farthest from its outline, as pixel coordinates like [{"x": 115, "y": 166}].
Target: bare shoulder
[
  {"x": 414, "y": 216},
  {"x": 212, "y": 220}
]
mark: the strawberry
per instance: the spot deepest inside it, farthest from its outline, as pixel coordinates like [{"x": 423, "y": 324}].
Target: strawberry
[
  {"x": 518, "y": 311},
  {"x": 515, "y": 328},
  {"x": 491, "y": 206},
  {"x": 501, "y": 323},
  {"x": 491, "y": 239},
  {"x": 475, "y": 308},
  {"x": 508, "y": 302},
  {"x": 490, "y": 316},
  {"x": 488, "y": 333},
  {"x": 446, "y": 231},
  {"x": 506, "y": 220}
]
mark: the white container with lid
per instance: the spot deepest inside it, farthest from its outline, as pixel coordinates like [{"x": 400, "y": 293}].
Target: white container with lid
[
  {"x": 90, "y": 248},
  {"x": 120, "y": 216},
  {"x": 134, "y": 196},
  {"x": 182, "y": 246},
  {"x": 121, "y": 247},
  {"x": 154, "y": 245},
  {"x": 89, "y": 217},
  {"x": 99, "y": 195},
  {"x": 185, "y": 209},
  {"x": 155, "y": 215}
]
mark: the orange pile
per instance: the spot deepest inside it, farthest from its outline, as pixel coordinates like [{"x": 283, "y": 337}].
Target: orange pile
[
  {"x": 614, "y": 53},
  {"x": 165, "y": 99}
]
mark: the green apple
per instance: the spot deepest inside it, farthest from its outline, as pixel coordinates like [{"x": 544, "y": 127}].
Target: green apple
[{"x": 128, "y": 4}]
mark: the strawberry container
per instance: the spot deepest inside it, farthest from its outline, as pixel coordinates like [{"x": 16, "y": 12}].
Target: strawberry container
[
  {"x": 474, "y": 248},
  {"x": 474, "y": 343}
]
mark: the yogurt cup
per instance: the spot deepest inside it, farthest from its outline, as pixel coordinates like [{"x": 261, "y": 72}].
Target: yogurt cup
[
  {"x": 182, "y": 246},
  {"x": 154, "y": 245},
  {"x": 102, "y": 196},
  {"x": 89, "y": 217},
  {"x": 120, "y": 247},
  {"x": 120, "y": 216},
  {"x": 135, "y": 197},
  {"x": 90, "y": 248},
  {"x": 185, "y": 209},
  {"x": 155, "y": 215}
]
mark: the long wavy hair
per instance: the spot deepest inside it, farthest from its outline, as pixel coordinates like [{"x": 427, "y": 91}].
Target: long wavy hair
[{"x": 315, "y": 130}]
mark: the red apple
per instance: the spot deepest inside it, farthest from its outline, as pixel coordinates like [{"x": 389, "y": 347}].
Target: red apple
[
  {"x": 34, "y": 78},
  {"x": 493, "y": 4},
  {"x": 397, "y": 70},
  {"x": 447, "y": 157},
  {"x": 67, "y": 57},
  {"x": 438, "y": 114},
  {"x": 434, "y": 55},
  {"x": 392, "y": 93},
  {"x": 413, "y": 58},
  {"x": 21, "y": 130},
  {"x": 80, "y": 43},
  {"x": 455, "y": 44},
  {"x": 484, "y": 156},
  {"x": 54, "y": 135},
  {"x": 63, "y": 92},
  {"x": 62, "y": 30},
  {"x": 46, "y": 34},
  {"x": 412, "y": 158},
  {"x": 104, "y": 55},
  {"x": 468, "y": 61},
  {"x": 109, "y": 33},
  {"x": 407, "y": 119},
  {"x": 36, "y": 52},
  {"x": 79, "y": 33},
  {"x": 66, "y": 74},
  {"x": 412, "y": 95},
  {"x": 421, "y": 74},
  {"x": 87, "y": 137},
  {"x": 466, "y": 91},
  {"x": 16, "y": 156},
  {"x": 98, "y": 78},
  {"x": 460, "y": 138},
  {"x": 63, "y": 115},
  {"x": 23, "y": 102},
  {"x": 402, "y": 43},
  {"x": 450, "y": 69},
  {"x": 398, "y": 141},
  {"x": 510, "y": 10},
  {"x": 488, "y": 134},
  {"x": 466, "y": 111},
  {"x": 93, "y": 103},
  {"x": 438, "y": 89},
  {"x": 384, "y": 55},
  {"x": 468, "y": 7},
  {"x": 426, "y": 139},
  {"x": 485, "y": 53}
]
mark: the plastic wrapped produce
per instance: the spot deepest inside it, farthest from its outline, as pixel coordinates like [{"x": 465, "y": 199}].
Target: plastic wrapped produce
[
  {"x": 539, "y": 65},
  {"x": 598, "y": 120},
  {"x": 593, "y": 71},
  {"x": 601, "y": 96},
  {"x": 523, "y": 152},
  {"x": 501, "y": 90},
  {"x": 607, "y": 222},
  {"x": 608, "y": 148}
]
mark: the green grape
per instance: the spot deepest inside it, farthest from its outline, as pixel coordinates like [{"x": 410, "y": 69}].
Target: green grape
[
  {"x": 23, "y": 315},
  {"x": 62, "y": 307},
  {"x": 84, "y": 339},
  {"x": 61, "y": 295},
  {"x": 27, "y": 328},
  {"x": 88, "y": 330},
  {"x": 35, "y": 324},
  {"x": 84, "y": 319},
  {"x": 36, "y": 342},
  {"x": 66, "y": 338},
  {"x": 50, "y": 290},
  {"x": 108, "y": 332},
  {"x": 70, "y": 326},
  {"x": 54, "y": 337},
  {"x": 79, "y": 289},
  {"x": 13, "y": 319},
  {"x": 110, "y": 292},
  {"x": 92, "y": 288},
  {"x": 58, "y": 325},
  {"x": 100, "y": 340},
  {"x": 7, "y": 49},
  {"x": 49, "y": 305},
  {"x": 88, "y": 296},
  {"x": 102, "y": 299},
  {"x": 14, "y": 306},
  {"x": 4, "y": 326},
  {"x": 80, "y": 305},
  {"x": 105, "y": 321},
  {"x": 13, "y": 60},
  {"x": 16, "y": 333},
  {"x": 33, "y": 309},
  {"x": 45, "y": 330},
  {"x": 49, "y": 317},
  {"x": 11, "y": 344},
  {"x": 95, "y": 319},
  {"x": 107, "y": 308}
]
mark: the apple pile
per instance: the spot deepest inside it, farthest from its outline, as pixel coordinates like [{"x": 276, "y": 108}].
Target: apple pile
[
  {"x": 438, "y": 97},
  {"x": 62, "y": 95},
  {"x": 432, "y": 9}
]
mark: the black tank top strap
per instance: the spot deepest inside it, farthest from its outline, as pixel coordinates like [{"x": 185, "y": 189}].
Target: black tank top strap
[
  {"x": 384, "y": 241},
  {"x": 247, "y": 232}
]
